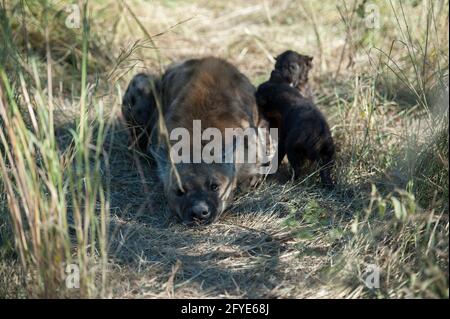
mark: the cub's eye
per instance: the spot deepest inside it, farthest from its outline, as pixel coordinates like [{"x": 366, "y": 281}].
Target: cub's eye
[
  {"x": 293, "y": 66},
  {"x": 179, "y": 192},
  {"x": 214, "y": 187}
]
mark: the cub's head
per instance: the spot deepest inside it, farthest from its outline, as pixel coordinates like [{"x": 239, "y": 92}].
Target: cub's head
[
  {"x": 198, "y": 193},
  {"x": 292, "y": 68}
]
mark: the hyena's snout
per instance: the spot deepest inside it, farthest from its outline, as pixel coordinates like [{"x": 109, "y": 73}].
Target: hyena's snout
[{"x": 200, "y": 212}]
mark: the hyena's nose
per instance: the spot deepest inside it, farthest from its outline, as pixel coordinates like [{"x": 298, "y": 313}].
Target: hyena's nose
[{"x": 201, "y": 211}]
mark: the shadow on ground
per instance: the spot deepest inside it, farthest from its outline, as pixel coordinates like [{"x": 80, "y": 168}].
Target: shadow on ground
[{"x": 245, "y": 254}]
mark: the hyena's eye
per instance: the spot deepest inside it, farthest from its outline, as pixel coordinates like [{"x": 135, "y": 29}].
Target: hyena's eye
[{"x": 215, "y": 187}]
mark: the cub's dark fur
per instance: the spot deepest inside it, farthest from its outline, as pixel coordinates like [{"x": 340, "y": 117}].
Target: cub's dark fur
[
  {"x": 293, "y": 68},
  {"x": 139, "y": 108},
  {"x": 303, "y": 130}
]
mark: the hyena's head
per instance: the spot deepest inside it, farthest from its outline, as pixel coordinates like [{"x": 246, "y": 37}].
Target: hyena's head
[
  {"x": 198, "y": 193},
  {"x": 292, "y": 68}
]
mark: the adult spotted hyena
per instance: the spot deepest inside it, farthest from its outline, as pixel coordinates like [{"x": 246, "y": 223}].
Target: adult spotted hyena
[{"x": 214, "y": 93}]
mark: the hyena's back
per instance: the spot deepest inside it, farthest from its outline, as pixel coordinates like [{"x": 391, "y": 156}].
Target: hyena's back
[{"x": 211, "y": 90}]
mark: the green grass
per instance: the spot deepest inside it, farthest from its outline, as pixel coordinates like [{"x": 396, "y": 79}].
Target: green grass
[{"x": 72, "y": 192}]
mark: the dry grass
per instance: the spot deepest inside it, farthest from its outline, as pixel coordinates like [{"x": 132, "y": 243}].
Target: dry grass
[{"x": 283, "y": 239}]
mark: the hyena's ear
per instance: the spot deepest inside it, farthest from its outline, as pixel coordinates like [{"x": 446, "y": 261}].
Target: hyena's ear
[
  {"x": 161, "y": 157},
  {"x": 160, "y": 154}
]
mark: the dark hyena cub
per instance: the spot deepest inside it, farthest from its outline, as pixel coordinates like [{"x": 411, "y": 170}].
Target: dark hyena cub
[
  {"x": 303, "y": 130},
  {"x": 139, "y": 109},
  {"x": 293, "y": 68}
]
